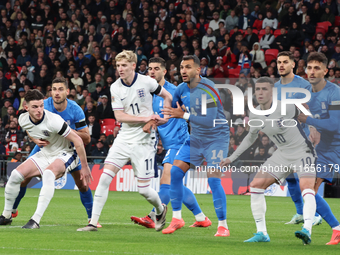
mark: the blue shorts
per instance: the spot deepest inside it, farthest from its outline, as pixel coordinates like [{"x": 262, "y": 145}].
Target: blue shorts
[
  {"x": 196, "y": 151},
  {"x": 170, "y": 156},
  {"x": 326, "y": 164}
]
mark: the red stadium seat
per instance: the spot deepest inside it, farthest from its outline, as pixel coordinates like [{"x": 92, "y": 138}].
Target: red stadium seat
[
  {"x": 262, "y": 32},
  {"x": 107, "y": 130},
  {"x": 325, "y": 25},
  {"x": 337, "y": 21},
  {"x": 107, "y": 122},
  {"x": 320, "y": 30},
  {"x": 272, "y": 52},
  {"x": 234, "y": 73},
  {"x": 277, "y": 32},
  {"x": 269, "y": 58}
]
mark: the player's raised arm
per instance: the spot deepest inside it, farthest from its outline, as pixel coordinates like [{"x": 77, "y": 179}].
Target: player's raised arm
[
  {"x": 85, "y": 172},
  {"x": 166, "y": 96}
]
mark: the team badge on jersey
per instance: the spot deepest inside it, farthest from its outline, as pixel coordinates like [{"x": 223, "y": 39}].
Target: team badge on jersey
[
  {"x": 141, "y": 94},
  {"x": 323, "y": 105},
  {"x": 46, "y": 133},
  {"x": 112, "y": 99}
]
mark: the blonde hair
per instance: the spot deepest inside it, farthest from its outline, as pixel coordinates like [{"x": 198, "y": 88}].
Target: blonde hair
[{"x": 128, "y": 55}]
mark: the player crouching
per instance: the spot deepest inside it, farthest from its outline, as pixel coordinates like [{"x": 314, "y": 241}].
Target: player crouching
[{"x": 51, "y": 162}]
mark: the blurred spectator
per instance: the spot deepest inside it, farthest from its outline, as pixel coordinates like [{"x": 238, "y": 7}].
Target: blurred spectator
[
  {"x": 220, "y": 70},
  {"x": 231, "y": 21},
  {"x": 266, "y": 144},
  {"x": 262, "y": 155},
  {"x": 267, "y": 39},
  {"x": 10, "y": 111},
  {"x": 17, "y": 157},
  {"x": 214, "y": 24},
  {"x": 99, "y": 151},
  {"x": 245, "y": 19},
  {"x": 251, "y": 38},
  {"x": 258, "y": 56},
  {"x": 244, "y": 60},
  {"x": 19, "y": 100},
  {"x": 160, "y": 153},
  {"x": 281, "y": 42},
  {"x": 13, "y": 137},
  {"x": 270, "y": 21},
  {"x": 104, "y": 110},
  {"x": 208, "y": 37}
]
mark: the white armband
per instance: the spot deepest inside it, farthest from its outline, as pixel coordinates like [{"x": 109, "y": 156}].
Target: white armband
[{"x": 186, "y": 116}]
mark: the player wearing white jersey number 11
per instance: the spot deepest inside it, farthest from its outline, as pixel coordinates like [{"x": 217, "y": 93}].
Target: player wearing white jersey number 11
[
  {"x": 295, "y": 153},
  {"x": 51, "y": 162},
  {"x": 131, "y": 97}
]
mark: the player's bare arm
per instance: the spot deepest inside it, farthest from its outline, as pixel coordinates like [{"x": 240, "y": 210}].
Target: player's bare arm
[
  {"x": 174, "y": 112},
  {"x": 84, "y": 135},
  {"x": 123, "y": 117},
  {"x": 85, "y": 173},
  {"x": 166, "y": 96},
  {"x": 151, "y": 125},
  {"x": 302, "y": 117},
  {"x": 314, "y": 135}
]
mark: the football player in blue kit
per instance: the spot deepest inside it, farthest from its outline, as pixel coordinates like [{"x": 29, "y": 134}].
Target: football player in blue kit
[
  {"x": 206, "y": 141},
  {"x": 172, "y": 133},
  {"x": 285, "y": 64},
  {"x": 325, "y": 108},
  {"x": 72, "y": 113}
]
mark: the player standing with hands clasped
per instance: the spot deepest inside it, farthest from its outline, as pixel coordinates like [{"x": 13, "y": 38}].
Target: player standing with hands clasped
[{"x": 295, "y": 152}]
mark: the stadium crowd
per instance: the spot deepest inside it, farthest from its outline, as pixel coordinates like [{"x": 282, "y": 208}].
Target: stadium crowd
[{"x": 237, "y": 42}]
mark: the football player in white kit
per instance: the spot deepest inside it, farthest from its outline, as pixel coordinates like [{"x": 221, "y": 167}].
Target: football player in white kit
[
  {"x": 51, "y": 162},
  {"x": 132, "y": 106},
  {"x": 295, "y": 153}
]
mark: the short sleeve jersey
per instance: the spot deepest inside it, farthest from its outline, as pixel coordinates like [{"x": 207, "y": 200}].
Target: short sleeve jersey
[
  {"x": 51, "y": 128},
  {"x": 136, "y": 100}
]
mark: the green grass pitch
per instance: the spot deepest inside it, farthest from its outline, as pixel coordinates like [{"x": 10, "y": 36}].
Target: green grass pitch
[{"x": 119, "y": 235}]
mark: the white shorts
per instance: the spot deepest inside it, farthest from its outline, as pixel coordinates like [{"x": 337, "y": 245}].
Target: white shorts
[
  {"x": 42, "y": 161},
  {"x": 280, "y": 165},
  {"x": 142, "y": 157}
]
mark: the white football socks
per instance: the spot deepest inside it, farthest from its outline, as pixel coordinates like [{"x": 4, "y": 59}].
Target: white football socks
[
  {"x": 101, "y": 194},
  {"x": 223, "y": 223},
  {"x": 46, "y": 194},
  {"x": 151, "y": 196},
  {"x": 200, "y": 217},
  {"x": 177, "y": 214},
  {"x": 12, "y": 190},
  {"x": 309, "y": 208},
  {"x": 258, "y": 208}
]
